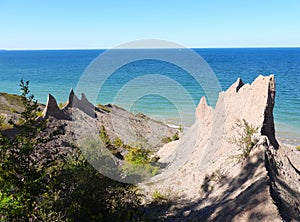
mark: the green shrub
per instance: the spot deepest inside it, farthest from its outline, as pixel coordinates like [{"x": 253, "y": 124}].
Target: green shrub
[
  {"x": 298, "y": 148},
  {"x": 37, "y": 184},
  {"x": 176, "y": 136},
  {"x": 112, "y": 147},
  {"x": 103, "y": 136},
  {"x": 164, "y": 198},
  {"x": 138, "y": 162},
  {"x": 180, "y": 128},
  {"x": 244, "y": 141},
  {"x": 138, "y": 156},
  {"x": 166, "y": 139},
  {"x": 141, "y": 171},
  {"x": 158, "y": 197},
  {"x": 118, "y": 142},
  {"x": 169, "y": 139},
  {"x": 87, "y": 195},
  {"x": 39, "y": 113}
]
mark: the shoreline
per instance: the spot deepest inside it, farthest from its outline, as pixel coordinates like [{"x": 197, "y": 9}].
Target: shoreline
[{"x": 287, "y": 139}]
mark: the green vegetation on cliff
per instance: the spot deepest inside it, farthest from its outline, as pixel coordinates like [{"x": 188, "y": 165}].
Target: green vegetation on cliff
[
  {"x": 37, "y": 183},
  {"x": 244, "y": 141}
]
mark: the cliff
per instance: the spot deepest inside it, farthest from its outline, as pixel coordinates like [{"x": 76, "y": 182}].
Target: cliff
[
  {"x": 229, "y": 166},
  {"x": 81, "y": 117}
]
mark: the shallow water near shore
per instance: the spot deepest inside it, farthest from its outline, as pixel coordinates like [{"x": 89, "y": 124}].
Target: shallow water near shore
[{"x": 57, "y": 71}]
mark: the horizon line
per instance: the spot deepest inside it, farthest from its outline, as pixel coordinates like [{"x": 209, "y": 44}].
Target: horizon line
[{"x": 197, "y": 47}]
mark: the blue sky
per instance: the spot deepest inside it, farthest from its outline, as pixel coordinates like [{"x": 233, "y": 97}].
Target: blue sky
[{"x": 52, "y": 24}]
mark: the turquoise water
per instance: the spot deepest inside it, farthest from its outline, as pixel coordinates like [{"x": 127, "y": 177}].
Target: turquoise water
[{"x": 57, "y": 71}]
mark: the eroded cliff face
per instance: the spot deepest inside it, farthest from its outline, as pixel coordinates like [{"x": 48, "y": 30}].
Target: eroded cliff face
[
  {"x": 206, "y": 174},
  {"x": 207, "y": 166},
  {"x": 81, "y": 118},
  {"x": 217, "y": 127},
  {"x": 208, "y": 142}
]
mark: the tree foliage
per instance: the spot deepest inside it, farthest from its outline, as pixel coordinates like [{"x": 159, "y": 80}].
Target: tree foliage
[
  {"x": 38, "y": 184},
  {"x": 21, "y": 179}
]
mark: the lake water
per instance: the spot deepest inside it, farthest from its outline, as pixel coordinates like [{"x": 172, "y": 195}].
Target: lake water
[{"x": 57, "y": 71}]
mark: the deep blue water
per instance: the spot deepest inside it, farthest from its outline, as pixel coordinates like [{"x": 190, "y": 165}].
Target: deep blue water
[{"x": 57, "y": 71}]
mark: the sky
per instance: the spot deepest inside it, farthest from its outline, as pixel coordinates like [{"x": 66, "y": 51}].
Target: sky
[{"x": 99, "y": 24}]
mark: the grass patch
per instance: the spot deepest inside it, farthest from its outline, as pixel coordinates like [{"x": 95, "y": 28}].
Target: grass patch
[
  {"x": 103, "y": 136},
  {"x": 13, "y": 99},
  {"x": 170, "y": 139},
  {"x": 138, "y": 156},
  {"x": 158, "y": 197},
  {"x": 139, "y": 170},
  {"x": 167, "y": 197},
  {"x": 166, "y": 140},
  {"x": 138, "y": 162},
  {"x": 11, "y": 103}
]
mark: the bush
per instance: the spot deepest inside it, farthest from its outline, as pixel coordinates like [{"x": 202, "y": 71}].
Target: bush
[
  {"x": 169, "y": 139},
  {"x": 176, "y": 136},
  {"x": 166, "y": 140},
  {"x": 180, "y": 128},
  {"x": 244, "y": 140},
  {"x": 138, "y": 163},
  {"x": 298, "y": 148},
  {"x": 165, "y": 198},
  {"x": 87, "y": 195},
  {"x": 37, "y": 184},
  {"x": 138, "y": 156},
  {"x": 103, "y": 136},
  {"x": 158, "y": 197},
  {"x": 118, "y": 142}
]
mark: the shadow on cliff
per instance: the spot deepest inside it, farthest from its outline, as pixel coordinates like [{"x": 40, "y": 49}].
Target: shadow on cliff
[
  {"x": 223, "y": 207},
  {"x": 286, "y": 198}
]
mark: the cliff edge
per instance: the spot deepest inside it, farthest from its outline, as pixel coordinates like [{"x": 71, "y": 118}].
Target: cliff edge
[{"x": 229, "y": 166}]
